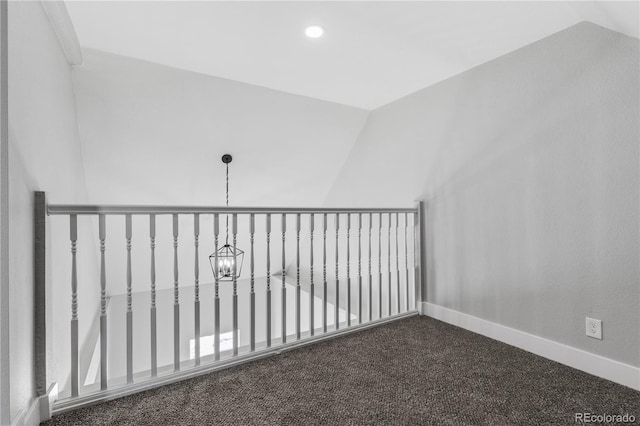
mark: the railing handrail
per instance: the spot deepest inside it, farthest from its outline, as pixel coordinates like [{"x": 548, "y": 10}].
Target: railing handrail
[{"x": 80, "y": 209}]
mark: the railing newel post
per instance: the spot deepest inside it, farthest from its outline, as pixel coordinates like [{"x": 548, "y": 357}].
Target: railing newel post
[{"x": 40, "y": 291}]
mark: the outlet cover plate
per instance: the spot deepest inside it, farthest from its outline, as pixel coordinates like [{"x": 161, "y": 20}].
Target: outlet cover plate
[{"x": 594, "y": 328}]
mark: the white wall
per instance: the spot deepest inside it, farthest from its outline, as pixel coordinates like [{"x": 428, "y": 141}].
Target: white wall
[
  {"x": 529, "y": 166},
  {"x": 5, "y": 368},
  {"x": 152, "y": 134},
  {"x": 44, "y": 155}
]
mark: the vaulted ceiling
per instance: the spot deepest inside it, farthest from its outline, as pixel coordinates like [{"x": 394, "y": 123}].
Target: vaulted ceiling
[{"x": 373, "y": 52}]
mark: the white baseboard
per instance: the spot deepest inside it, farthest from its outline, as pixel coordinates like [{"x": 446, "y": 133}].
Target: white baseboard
[
  {"x": 39, "y": 410},
  {"x": 609, "y": 369}
]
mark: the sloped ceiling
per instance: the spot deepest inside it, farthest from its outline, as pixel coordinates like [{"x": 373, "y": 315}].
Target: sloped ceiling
[{"x": 373, "y": 52}]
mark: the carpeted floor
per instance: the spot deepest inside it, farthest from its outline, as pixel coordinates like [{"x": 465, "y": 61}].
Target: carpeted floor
[{"x": 414, "y": 371}]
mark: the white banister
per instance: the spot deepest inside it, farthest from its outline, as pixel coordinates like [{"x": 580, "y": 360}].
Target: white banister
[{"x": 231, "y": 300}]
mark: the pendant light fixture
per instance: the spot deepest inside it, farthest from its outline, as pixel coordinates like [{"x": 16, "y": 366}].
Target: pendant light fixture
[{"x": 228, "y": 258}]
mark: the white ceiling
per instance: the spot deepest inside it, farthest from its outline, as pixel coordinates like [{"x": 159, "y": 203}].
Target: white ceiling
[{"x": 373, "y": 52}]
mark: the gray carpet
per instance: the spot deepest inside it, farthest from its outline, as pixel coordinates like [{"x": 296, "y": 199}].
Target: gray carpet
[{"x": 414, "y": 371}]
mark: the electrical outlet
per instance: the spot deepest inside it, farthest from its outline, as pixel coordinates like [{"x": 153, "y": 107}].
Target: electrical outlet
[{"x": 594, "y": 328}]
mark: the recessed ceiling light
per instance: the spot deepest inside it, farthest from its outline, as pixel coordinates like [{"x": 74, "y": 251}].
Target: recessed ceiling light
[{"x": 314, "y": 31}]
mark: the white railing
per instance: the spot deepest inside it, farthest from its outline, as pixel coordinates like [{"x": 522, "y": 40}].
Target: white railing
[{"x": 358, "y": 293}]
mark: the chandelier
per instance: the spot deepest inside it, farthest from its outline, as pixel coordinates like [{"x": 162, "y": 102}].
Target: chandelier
[{"x": 227, "y": 260}]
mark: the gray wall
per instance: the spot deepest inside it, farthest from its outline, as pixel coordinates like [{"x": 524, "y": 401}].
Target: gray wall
[
  {"x": 529, "y": 166},
  {"x": 164, "y": 130},
  {"x": 152, "y": 134},
  {"x": 5, "y": 368},
  {"x": 44, "y": 154}
]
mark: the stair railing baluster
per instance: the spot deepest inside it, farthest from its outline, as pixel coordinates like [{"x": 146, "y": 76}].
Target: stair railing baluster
[
  {"x": 312, "y": 291},
  {"x": 152, "y": 313},
  {"x": 129, "y": 303},
  {"x": 73, "y": 236},
  {"x": 103, "y": 302},
  {"x": 176, "y": 300},
  {"x": 252, "y": 319},
  {"x": 196, "y": 288},
  {"x": 216, "y": 291},
  {"x": 268, "y": 226}
]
